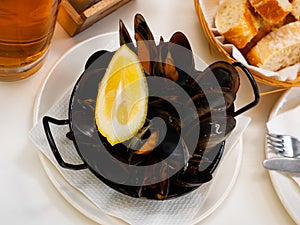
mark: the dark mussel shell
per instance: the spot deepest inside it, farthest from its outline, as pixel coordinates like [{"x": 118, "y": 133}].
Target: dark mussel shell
[
  {"x": 212, "y": 101},
  {"x": 124, "y": 36},
  {"x": 146, "y": 47},
  {"x": 200, "y": 167},
  {"x": 224, "y": 73},
  {"x": 183, "y": 59}
]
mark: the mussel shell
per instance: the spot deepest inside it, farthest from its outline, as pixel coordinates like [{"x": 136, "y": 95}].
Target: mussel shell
[
  {"x": 223, "y": 72},
  {"x": 163, "y": 109},
  {"x": 158, "y": 190},
  {"x": 104, "y": 61},
  {"x": 200, "y": 168},
  {"x": 193, "y": 177},
  {"x": 183, "y": 55},
  {"x": 141, "y": 28},
  {"x": 213, "y": 130},
  {"x": 82, "y": 102},
  {"x": 176, "y": 61},
  {"x": 226, "y": 74},
  {"x": 83, "y": 125},
  {"x": 146, "y": 47},
  {"x": 124, "y": 37},
  {"x": 169, "y": 145},
  {"x": 213, "y": 101}
]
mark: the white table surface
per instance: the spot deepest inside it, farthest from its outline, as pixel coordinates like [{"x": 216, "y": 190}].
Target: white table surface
[{"x": 27, "y": 196}]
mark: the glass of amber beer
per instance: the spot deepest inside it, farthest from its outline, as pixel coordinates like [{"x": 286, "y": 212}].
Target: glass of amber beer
[{"x": 26, "y": 29}]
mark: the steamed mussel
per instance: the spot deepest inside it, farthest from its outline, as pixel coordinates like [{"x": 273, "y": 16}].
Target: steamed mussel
[{"x": 190, "y": 114}]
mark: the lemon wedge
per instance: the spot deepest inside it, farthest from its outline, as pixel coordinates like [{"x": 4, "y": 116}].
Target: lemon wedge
[{"x": 122, "y": 99}]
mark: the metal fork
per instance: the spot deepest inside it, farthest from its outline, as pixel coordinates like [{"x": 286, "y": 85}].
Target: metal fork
[{"x": 285, "y": 145}]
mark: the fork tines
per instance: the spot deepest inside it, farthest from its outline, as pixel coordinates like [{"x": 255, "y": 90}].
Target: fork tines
[
  {"x": 286, "y": 145},
  {"x": 275, "y": 142}
]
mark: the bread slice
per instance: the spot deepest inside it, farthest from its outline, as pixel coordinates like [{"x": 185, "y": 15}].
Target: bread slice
[
  {"x": 278, "y": 49},
  {"x": 235, "y": 21},
  {"x": 264, "y": 28},
  {"x": 296, "y": 9},
  {"x": 273, "y": 11}
]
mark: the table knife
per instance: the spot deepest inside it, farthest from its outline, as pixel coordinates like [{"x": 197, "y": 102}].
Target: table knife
[{"x": 290, "y": 165}]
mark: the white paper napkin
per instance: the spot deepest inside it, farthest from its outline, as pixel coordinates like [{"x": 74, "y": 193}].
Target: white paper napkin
[
  {"x": 132, "y": 210},
  {"x": 286, "y": 123},
  {"x": 209, "y": 8}
]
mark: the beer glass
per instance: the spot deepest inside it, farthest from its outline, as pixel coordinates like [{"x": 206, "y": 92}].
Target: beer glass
[{"x": 26, "y": 29}]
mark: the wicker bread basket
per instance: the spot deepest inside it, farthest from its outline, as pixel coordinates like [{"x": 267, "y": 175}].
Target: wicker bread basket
[{"x": 257, "y": 75}]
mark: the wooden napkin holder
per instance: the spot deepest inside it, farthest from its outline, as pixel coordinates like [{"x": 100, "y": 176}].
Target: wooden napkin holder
[{"x": 73, "y": 22}]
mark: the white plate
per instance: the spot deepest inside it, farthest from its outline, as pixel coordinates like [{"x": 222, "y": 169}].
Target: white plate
[
  {"x": 64, "y": 74},
  {"x": 287, "y": 189}
]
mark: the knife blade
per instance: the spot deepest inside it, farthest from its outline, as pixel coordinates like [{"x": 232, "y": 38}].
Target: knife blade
[{"x": 290, "y": 165}]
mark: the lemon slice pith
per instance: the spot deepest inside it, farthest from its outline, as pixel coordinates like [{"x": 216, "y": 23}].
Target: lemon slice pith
[{"x": 122, "y": 99}]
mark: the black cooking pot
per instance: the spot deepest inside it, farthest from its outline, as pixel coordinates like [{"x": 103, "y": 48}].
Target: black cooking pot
[{"x": 176, "y": 166}]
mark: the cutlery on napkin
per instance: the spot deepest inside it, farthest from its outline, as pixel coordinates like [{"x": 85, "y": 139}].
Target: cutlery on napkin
[{"x": 286, "y": 123}]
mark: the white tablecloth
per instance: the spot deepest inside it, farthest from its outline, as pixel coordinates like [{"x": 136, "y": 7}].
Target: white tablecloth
[{"x": 27, "y": 195}]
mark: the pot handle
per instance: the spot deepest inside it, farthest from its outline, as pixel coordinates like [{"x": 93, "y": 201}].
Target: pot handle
[
  {"x": 254, "y": 86},
  {"x": 46, "y": 123}
]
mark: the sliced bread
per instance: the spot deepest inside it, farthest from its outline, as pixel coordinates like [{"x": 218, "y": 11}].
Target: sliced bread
[
  {"x": 273, "y": 11},
  {"x": 264, "y": 28},
  {"x": 235, "y": 21},
  {"x": 278, "y": 49}
]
